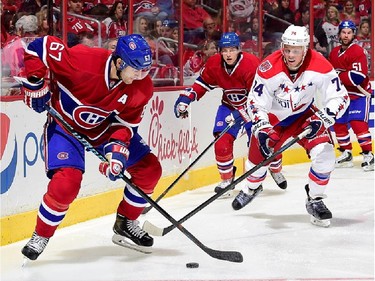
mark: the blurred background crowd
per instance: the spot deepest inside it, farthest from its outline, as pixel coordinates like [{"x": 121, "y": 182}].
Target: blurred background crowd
[{"x": 98, "y": 23}]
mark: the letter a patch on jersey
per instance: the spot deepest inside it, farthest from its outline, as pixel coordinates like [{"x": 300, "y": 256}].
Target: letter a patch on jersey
[
  {"x": 123, "y": 99},
  {"x": 265, "y": 66}
]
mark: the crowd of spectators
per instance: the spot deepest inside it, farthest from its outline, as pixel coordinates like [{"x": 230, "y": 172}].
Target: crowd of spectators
[{"x": 97, "y": 23}]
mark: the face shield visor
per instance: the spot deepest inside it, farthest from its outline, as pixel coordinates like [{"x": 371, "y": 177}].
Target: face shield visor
[{"x": 135, "y": 74}]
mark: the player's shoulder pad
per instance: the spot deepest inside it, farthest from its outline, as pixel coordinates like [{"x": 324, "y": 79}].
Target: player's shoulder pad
[
  {"x": 271, "y": 65},
  {"x": 355, "y": 49},
  {"x": 250, "y": 58},
  {"x": 214, "y": 60},
  {"x": 317, "y": 62}
]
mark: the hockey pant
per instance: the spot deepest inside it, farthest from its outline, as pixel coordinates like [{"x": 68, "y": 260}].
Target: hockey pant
[{"x": 319, "y": 149}]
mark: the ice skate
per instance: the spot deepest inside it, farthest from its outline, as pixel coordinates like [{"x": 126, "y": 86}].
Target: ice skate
[
  {"x": 224, "y": 184},
  {"x": 368, "y": 161},
  {"x": 128, "y": 234},
  {"x": 279, "y": 179},
  {"x": 319, "y": 213},
  {"x": 345, "y": 160},
  {"x": 35, "y": 246},
  {"x": 244, "y": 198}
]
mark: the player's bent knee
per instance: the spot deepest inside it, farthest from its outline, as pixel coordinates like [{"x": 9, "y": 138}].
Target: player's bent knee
[
  {"x": 65, "y": 185},
  {"x": 224, "y": 145},
  {"x": 258, "y": 173},
  {"x": 323, "y": 158},
  {"x": 146, "y": 173}
]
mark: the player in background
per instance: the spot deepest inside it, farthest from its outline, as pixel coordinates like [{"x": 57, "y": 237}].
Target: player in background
[
  {"x": 281, "y": 105},
  {"x": 233, "y": 71},
  {"x": 102, "y": 95},
  {"x": 350, "y": 62}
]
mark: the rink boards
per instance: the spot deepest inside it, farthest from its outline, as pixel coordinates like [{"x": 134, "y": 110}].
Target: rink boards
[{"x": 176, "y": 142}]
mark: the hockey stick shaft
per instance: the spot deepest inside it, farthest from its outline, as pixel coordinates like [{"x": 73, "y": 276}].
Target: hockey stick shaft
[
  {"x": 161, "y": 232},
  {"x": 232, "y": 256},
  {"x": 363, "y": 91},
  {"x": 148, "y": 208}
]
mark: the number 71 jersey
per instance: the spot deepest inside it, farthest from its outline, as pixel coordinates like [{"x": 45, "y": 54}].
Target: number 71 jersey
[{"x": 275, "y": 91}]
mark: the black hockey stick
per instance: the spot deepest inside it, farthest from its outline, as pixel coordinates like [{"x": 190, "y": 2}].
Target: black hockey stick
[
  {"x": 157, "y": 231},
  {"x": 148, "y": 208},
  {"x": 232, "y": 256}
]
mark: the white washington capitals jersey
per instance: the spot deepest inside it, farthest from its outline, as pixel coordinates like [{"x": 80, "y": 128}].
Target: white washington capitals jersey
[{"x": 277, "y": 96}]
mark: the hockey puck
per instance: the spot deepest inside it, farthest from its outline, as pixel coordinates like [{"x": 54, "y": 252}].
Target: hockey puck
[{"x": 192, "y": 265}]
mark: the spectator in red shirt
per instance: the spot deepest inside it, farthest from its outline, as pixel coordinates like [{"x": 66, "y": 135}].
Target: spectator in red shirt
[
  {"x": 193, "y": 15},
  {"x": 364, "y": 9},
  {"x": 364, "y": 35},
  {"x": 319, "y": 8},
  {"x": 195, "y": 63},
  {"x": 116, "y": 24},
  {"x": 75, "y": 24},
  {"x": 83, "y": 28},
  {"x": 349, "y": 12}
]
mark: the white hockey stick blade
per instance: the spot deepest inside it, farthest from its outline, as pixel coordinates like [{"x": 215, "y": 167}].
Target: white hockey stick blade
[
  {"x": 124, "y": 242},
  {"x": 152, "y": 229},
  {"x": 318, "y": 222}
]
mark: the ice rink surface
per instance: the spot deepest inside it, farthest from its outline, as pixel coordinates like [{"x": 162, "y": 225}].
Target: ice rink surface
[{"x": 273, "y": 233}]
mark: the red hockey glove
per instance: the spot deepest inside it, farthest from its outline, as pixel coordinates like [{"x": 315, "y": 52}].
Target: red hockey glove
[
  {"x": 318, "y": 123},
  {"x": 182, "y": 103},
  {"x": 238, "y": 117},
  {"x": 117, "y": 154},
  {"x": 267, "y": 137},
  {"x": 36, "y": 95}
]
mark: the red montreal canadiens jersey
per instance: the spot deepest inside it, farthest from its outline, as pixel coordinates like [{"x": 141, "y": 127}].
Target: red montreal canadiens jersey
[
  {"x": 353, "y": 58},
  {"x": 87, "y": 99},
  {"x": 235, "y": 85},
  {"x": 275, "y": 95}
]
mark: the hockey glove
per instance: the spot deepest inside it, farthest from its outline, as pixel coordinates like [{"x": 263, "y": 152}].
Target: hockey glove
[
  {"x": 356, "y": 77},
  {"x": 319, "y": 122},
  {"x": 238, "y": 117},
  {"x": 267, "y": 137},
  {"x": 182, "y": 103},
  {"x": 117, "y": 154},
  {"x": 36, "y": 94}
]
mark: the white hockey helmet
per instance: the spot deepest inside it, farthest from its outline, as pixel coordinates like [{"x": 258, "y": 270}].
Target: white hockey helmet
[{"x": 296, "y": 36}]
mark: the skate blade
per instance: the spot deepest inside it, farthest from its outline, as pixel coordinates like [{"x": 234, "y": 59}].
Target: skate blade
[
  {"x": 344, "y": 165},
  {"x": 318, "y": 222},
  {"x": 25, "y": 261},
  {"x": 227, "y": 195},
  {"x": 123, "y": 242},
  {"x": 368, "y": 168}
]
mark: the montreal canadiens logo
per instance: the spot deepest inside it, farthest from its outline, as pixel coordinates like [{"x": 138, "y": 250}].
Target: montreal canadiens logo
[
  {"x": 236, "y": 97},
  {"x": 89, "y": 117},
  {"x": 132, "y": 45}
]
